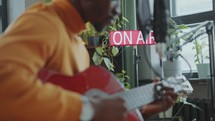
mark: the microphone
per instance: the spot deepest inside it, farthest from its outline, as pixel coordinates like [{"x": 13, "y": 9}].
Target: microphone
[
  {"x": 145, "y": 17},
  {"x": 160, "y": 26},
  {"x": 160, "y": 21}
]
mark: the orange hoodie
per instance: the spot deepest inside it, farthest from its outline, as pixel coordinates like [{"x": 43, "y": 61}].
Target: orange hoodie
[{"x": 44, "y": 36}]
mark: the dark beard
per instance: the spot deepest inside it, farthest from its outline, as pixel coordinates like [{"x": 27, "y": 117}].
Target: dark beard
[{"x": 98, "y": 27}]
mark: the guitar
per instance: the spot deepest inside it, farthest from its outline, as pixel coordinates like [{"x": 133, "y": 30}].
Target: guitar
[{"x": 96, "y": 80}]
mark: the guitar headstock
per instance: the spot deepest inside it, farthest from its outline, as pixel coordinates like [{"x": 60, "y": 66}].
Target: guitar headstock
[{"x": 179, "y": 83}]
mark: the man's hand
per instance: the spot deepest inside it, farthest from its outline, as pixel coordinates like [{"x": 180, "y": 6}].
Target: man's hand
[
  {"x": 169, "y": 99},
  {"x": 109, "y": 109}
]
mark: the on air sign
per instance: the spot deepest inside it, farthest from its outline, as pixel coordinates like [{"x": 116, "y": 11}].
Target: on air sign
[{"x": 128, "y": 38}]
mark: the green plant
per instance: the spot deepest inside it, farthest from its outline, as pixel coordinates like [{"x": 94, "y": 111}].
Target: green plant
[
  {"x": 89, "y": 32},
  {"x": 122, "y": 76},
  {"x": 200, "y": 54},
  {"x": 105, "y": 53},
  {"x": 174, "y": 31}
]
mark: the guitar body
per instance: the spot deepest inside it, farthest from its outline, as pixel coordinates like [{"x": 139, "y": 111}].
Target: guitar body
[{"x": 94, "y": 77}]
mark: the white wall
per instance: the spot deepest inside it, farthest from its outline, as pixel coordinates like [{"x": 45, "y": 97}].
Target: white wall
[{"x": 16, "y": 7}]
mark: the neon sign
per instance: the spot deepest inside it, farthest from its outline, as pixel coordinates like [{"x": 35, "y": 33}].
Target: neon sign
[{"x": 129, "y": 38}]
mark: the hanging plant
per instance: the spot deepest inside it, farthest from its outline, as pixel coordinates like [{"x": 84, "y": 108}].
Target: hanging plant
[{"x": 105, "y": 53}]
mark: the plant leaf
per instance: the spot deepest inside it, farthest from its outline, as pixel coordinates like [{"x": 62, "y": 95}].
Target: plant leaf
[
  {"x": 112, "y": 28},
  {"x": 119, "y": 75},
  {"x": 127, "y": 85},
  {"x": 125, "y": 19},
  {"x": 126, "y": 76},
  {"x": 123, "y": 71},
  {"x": 97, "y": 59},
  {"x": 100, "y": 50},
  {"x": 115, "y": 50},
  {"x": 182, "y": 26},
  {"x": 108, "y": 64}
]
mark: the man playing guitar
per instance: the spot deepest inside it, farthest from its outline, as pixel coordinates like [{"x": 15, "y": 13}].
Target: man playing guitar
[{"x": 46, "y": 36}]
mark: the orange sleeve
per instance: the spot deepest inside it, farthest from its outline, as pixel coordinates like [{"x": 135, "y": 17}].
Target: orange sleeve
[{"x": 24, "y": 49}]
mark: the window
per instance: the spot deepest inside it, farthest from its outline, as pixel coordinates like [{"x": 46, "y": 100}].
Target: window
[
  {"x": 191, "y": 12},
  {"x": 187, "y": 7},
  {"x": 189, "y": 50}
]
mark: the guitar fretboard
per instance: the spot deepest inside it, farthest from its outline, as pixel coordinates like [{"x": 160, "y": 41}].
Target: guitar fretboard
[{"x": 137, "y": 97}]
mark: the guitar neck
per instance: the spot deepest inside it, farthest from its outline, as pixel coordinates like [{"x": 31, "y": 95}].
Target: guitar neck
[{"x": 137, "y": 97}]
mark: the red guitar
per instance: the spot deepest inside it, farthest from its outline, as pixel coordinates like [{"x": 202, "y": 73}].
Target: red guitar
[{"x": 96, "y": 80}]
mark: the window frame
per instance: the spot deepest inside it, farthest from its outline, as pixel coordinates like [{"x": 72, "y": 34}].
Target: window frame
[{"x": 193, "y": 18}]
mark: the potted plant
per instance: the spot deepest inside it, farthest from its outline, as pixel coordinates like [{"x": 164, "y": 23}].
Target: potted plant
[
  {"x": 201, "y": 58},
  {"x": 172, "y": 66},
  {"x": 91, "y": 37},
  {"x": 104, "y": 54}
]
